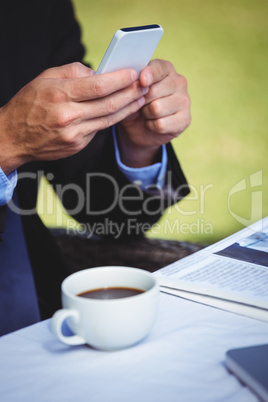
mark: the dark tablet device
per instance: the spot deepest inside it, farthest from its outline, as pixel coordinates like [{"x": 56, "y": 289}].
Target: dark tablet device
[{"x": 250, "y": 366}]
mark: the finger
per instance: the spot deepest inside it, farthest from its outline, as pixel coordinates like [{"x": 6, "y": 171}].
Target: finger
[
  {"x": 103, "y": 122},
  {"x": 169, "y": 101},
  {"x": 98, "y": 86},
  {"x": 109, "y": 104},
  {"x": 171, "y": 125},
  {"x": 156, "y": 71},
  {"x": 161, "y": 107},
  {"x": 68, "y": 71},
  {"x": 81, "y": 132},
  {"x": 173, "y": 84}
]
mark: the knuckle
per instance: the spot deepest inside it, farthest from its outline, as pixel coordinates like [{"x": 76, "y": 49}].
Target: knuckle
[
  {"x": 107, "y": 121},
  {"x": 155, "y": 108},
  {"x": 70, "y": 139},
  {"x": 72, "y": 69},
  {"x": 75, "y": 67},
  {"x": 77, "y": 70},
  {"x": 188, "y": 101},
  {"x": 183, "y": 81},
  {"x": 188, "y": 120},
  {"x": 186, "y": 105},
  {"x": 111, "y": 106},
  {"x": 46, "y": 73},
  {"x": 169, "y": 65},
  {"x": 62, "y": 118},
  {"x": 159, "y": 126},
  {"x": 99, "y": 88}
]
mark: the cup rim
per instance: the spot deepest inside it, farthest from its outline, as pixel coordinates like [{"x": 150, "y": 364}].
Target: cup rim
[{"x": 86, "y": 300}]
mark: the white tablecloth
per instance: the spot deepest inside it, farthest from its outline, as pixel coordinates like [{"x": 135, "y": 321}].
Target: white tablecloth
[{"x": 181, "y": 360}]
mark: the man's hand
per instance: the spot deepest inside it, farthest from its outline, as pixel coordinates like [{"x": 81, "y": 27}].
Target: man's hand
[
  {"x": 164, "y": 116},
  {"x": 59, "y": 112}
]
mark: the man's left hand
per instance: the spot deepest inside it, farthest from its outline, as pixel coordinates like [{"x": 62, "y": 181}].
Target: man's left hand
[{"x": 164, "y": 116}]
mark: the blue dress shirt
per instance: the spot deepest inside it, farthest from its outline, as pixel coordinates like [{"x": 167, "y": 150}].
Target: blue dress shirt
[
  {"x": 7, "y": 185},
  {"x": 145, "y": 176}
]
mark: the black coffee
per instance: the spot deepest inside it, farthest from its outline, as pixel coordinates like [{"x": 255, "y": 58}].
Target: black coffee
[{"x": 110, "y": 293}]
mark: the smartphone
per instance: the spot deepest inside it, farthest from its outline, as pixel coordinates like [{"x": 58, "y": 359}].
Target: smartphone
[
  {"x": 250, "y": 365},
  {"x": 131, "y": 48}
]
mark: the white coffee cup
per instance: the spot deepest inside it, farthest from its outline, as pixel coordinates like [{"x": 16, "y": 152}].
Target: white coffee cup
[{"x": 107, "y": 324}]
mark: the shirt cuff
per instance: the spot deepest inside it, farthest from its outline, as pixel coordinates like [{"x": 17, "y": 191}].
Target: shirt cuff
[
  {"x": 7, "y": 186},
  {"x": 145, "y": 177}
]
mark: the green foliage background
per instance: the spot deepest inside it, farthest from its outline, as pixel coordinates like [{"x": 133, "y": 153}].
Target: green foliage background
[{"x": 221, "y": 47}]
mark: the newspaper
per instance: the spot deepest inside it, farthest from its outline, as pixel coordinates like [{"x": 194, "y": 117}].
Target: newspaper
[{"x": 231, "y": 274}]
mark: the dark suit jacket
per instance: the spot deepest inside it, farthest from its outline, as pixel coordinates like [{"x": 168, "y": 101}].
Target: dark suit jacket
[{"x": 35, "y": 35}]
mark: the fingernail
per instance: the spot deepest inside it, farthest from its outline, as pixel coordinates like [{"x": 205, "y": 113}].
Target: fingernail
[
  {"x": 149, "y": 79},
  {"x": 145, "y": 90},
  {"x": 133, "y": 75},
  {"x": 141, "y": 101}
]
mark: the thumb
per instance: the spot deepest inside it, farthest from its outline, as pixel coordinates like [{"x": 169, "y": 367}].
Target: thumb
[{"x": 68, "y": 71}]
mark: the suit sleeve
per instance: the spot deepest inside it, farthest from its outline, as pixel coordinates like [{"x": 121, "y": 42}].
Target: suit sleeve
[{"x": 65, "y": 35}]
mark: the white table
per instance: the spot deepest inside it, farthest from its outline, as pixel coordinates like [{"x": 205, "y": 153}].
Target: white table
[{"x": 181, "y": 360}]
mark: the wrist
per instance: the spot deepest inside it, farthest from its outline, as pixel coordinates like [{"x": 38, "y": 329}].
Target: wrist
[
  {"x": 134, "y": 155},
  {"x": 10, "y": 158}
]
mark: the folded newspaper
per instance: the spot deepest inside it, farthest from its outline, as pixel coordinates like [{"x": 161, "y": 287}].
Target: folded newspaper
[{"x": 232, "y": 274}]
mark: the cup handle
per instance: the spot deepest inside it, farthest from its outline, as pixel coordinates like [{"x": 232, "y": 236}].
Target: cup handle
[{"x": 56, "y": 323}]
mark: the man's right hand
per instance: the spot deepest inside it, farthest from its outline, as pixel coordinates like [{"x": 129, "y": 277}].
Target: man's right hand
[{"x": 58, "y": 113}]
